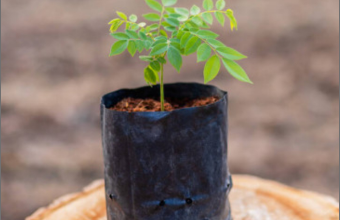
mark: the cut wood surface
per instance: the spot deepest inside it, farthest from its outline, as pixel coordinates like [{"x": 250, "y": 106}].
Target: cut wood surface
[{"x": 252, "y": 198}]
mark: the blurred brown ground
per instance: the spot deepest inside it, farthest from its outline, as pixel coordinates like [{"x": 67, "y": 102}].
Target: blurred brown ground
[{"x": 55, "y": 67}]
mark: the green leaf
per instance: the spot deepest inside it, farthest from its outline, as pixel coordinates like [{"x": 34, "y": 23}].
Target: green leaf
[
  {"x": 153, "y": 27},
  {"x": 175, "y": 15},
  {"x": 146, "y": 58},
  {"x": 133, "y": 18},
  {"x": 236, "y": 70},
  {"x": 132, "y": 34},
  {"x": 205, "y": 34},
  {"x": 230, "y": 53},
  {"x": 148, "y": 44},
  {"x": 115, "y": 26},
  {"x": 180, "y": 17},
  {"x": 208, "y": 18},
  {"x": 189, "y": 42},
  {"x": 176, "y": 45},
  {"x": 172, "y": 21},
  {"x": 190, "y": 24},
  {"x": 119, "y": 47},
  {"x": 163, "y": 33},
  {"x": 159, "y": 41},
  {"x": 220, "y": 5},
  {"x": 114, "y": 21},
  {"x": 134, "y": 27},
  {"x": 155, "y": 66},
  {"x": 171, "y": 29},
  {"x": 154, "y": 5},
  {"x": 175, "y": 58},
  {"x": 182, "y": 11},
  {"x": 208, "y": 4},
  {"x": 170, "y": 10},
  {"x": 142, "y": 35},
  {"x": 160, "y": 38},
  {"x": 205, "y": 25},
  {"x": 192, "y": 45},
  {"x": 215, "y": 43},
  {"x": 150, "y": 76},
  {"x": 120, "y": 36},
  {"x": 211, "y": 69},
  {"x": 197, "y": 20},
  {"x": 180, "y": 34},
  {"x": 161, "y": 60},
  {"x": 183, "y": 18},
  {"x": 166, "y": 24},
  {"x": 152, "y": 17},
  {"x": 169, "y": 2},
  {"x": 195, "y": 10},
  {"x": 122, "y": 15},
  {"x": 159, "y": 49},
  {"x": 184, "y": 40},
  {"x": 140, "y": 45},
  {"x": 220, "y": 18},
  {"x": 193, "y": 30},
  {"x": 175, "y": 40},
  {"x": 132, "y": 48},
  {"x": 233, "y": 21},
  {"x": 203, "y": 52}
]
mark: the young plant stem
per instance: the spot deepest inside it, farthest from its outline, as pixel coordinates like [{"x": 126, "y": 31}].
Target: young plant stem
[
  {"x": 160, "y": 21},
  {"x": 162, "y": 87}
]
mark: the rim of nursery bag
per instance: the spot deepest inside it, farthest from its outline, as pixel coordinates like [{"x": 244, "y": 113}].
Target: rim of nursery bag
[{"x": 112, "y": 98}]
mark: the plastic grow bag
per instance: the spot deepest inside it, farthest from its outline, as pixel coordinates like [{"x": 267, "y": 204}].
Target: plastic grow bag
[{"x": 167, "y": 165}]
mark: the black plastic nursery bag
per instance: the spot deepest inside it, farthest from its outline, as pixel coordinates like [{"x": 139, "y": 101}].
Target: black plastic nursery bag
[{"x": 167, "y": 165}]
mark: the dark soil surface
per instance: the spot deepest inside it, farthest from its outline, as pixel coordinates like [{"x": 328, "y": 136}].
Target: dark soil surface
[{"x": 151, "y": 105}]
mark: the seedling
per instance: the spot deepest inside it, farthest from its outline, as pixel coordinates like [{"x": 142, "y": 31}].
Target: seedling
[{"x": 175, "y": 32}]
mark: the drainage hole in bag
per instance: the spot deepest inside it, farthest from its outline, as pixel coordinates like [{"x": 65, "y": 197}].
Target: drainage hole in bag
[
  {"x": 188, "y": 201},
  {"x": 112, "y": 196},
  {"x": 162, "y": 203}
]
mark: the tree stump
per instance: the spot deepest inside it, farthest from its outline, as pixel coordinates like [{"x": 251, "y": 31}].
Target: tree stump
[{"x": 251, "y": 199}]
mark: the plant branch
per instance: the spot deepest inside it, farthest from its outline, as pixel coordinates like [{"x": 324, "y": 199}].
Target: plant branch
[{"x": 160, "y": 21}]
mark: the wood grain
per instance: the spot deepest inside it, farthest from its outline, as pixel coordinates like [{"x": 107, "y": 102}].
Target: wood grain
[{"x": 251, "y": 199}]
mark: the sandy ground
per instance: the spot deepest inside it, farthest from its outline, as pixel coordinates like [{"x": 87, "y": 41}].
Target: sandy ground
[{"x": 55, "y": 68}]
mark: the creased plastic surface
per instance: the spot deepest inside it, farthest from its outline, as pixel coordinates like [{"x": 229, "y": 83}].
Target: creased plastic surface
[{"x": 167, "y": 165}]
